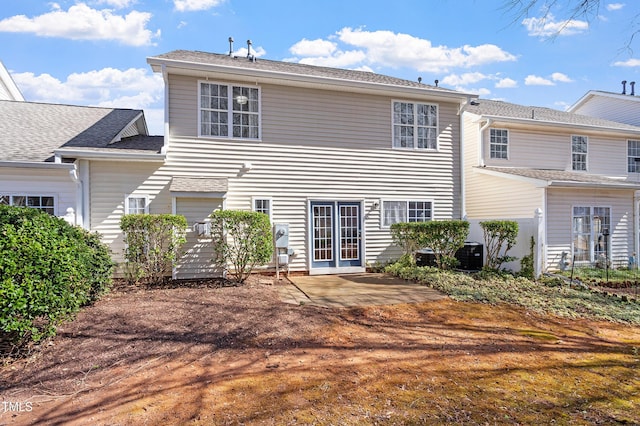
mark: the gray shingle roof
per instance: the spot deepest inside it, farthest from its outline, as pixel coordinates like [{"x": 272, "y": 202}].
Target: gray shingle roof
[
  {"x": 542, "y": 115},
  {"x": 291, "y": 68},
  {"x": 32, "y": 131},
  {"x": 189, "y": 184},
  {"x": 561, "y": 177}
]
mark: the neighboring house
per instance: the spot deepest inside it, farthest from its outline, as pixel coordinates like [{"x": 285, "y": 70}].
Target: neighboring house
[
  {"x": 46, "y": 154},
  {"x": 620, "y": 107},
  {"x": 8, "y": 89},
  {"x": 575, "y": 177},
  {"x": 336, "y": 155}
]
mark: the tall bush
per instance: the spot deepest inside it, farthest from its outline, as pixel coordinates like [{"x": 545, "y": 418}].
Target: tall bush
[
  {"x": 152, "y": 245},
  {"x": 406, "y": 236},
  {"x": 499, "y": 237},
  {"x": 48, "y": 271},
  {"x": 242, "y": 240}
]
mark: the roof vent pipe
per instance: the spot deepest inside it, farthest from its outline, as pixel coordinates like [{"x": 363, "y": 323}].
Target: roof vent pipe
[
  {"x": 249, "y": 49},
  {"x": 624, "y": 87},
  {"x": 230, "y": 46},
  {"x": 632, "y": 84},
  {"x": 437, "y": 81}
]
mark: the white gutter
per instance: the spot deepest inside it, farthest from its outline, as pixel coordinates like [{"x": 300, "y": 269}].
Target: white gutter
[
  {"x": 37, "y": 165},
  {"x": 481, "y": 138},
  {"x": 573, "y": 126}
]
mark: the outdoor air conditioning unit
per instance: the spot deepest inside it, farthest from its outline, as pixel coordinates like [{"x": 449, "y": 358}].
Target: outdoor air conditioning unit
[{"x": 470, "y": 257}]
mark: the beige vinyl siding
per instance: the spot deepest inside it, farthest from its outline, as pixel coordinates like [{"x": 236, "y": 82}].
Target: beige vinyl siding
[
  {"x": 110, "y": 183},
  {"x": 493, "y": 197},
  {"x": 36, "y": 181},
  {"x": 615, "y": 109},
  {"x": 606, "y": 156},
  {"x": 559, "y": 227},
  {"x": 197, "y": 260}
]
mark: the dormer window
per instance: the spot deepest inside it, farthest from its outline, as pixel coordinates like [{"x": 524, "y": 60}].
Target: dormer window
[{"x": 228, "y": 111}]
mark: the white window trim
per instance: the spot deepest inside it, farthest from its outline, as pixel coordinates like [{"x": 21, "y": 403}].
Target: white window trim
[
  {"x": 35, "y": 194},
  {"x": 586, "y": 138},
  {"x": 230, "y": 91},
  {"x": 415, "y": 136},
  {"x": 406, "y": 200},
  {"x": 129, "y": 196},
  {"x": 508, "y": 143},
  {"x": 628, "y": 156},
  {"x": 269, "y": 199},
  {"x": 611, "y": 231}
]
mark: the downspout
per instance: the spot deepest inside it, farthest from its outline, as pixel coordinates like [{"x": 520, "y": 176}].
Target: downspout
[
  {"x": 73, "y": 174},
  {"x": 463, "y": 203},
  {"x": 165, "y": 78},
  {"x": 482, "y": 129},
  {"x": 636, "y": 224}
]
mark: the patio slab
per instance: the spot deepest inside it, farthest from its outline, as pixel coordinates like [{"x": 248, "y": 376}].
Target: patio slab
[{"x": 348, "y": 290}]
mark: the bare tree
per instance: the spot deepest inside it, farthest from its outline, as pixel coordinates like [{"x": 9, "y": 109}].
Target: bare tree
[{"x": 569, "y": 11}]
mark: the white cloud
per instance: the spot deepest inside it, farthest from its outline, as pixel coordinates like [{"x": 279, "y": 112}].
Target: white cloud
[
  {"x": 628, "y": 63},
  {"x": 534, "y": 80},
  {"x": 547, "y": 26},
  {"x": 316, "y": 47},
  {"x": 195, "y": 5},
  {"x": 464, "y": 79},
  {"x": 506, "y": 83},
  {"x": 562, "y": 78},
  {"x": 95, "y": 88},
  {"x": 81, "y": 22},
  {"x": 395, "y": 50},
  {"x": 615, "y": 6},
  {"x": 255, "y": 51},
  {"x": 120, "y": 4}
]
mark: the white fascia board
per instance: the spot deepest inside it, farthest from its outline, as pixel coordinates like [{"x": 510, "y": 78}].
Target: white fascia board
[{"x": 101, "y": 155}]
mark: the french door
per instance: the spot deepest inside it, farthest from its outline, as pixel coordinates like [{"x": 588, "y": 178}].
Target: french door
[{"x": 336, "y": 234}]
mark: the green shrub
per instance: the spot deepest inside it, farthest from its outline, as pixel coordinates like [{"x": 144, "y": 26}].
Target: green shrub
[
  {"x": 444, "y": 237},
  {"x": 527, "y": 268},
  {"x": 499, "y": 237},
  {"x": 241, "y": 239},
  {"x": 48, "y": 270},
  {"x": 152, "y": 245}
]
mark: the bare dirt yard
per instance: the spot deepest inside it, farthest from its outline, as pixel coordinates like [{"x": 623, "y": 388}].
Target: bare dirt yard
[{"x": 238, "y": 355}]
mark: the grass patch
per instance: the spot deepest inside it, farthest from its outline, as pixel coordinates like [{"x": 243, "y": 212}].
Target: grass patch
[{"x": 549, "y": 297}]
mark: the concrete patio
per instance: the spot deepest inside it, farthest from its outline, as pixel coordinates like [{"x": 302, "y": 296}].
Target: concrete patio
[{"x": 347, "y": 290}]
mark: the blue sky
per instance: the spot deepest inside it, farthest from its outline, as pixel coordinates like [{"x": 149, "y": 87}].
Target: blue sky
[{"x": 94, "y": 52}]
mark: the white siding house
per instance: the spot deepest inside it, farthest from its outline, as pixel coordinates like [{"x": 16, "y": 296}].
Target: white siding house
[
  {"x": 328, "y": 152},
  {"x": 573, "y": 176}
]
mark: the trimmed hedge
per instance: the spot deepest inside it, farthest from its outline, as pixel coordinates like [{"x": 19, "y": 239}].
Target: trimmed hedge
[
  {"x": 241, "y": 239},
  {"x": 48, "y": 271},
  {"x": 152, "y": 245},
  {"x": 444, "y": 237}
]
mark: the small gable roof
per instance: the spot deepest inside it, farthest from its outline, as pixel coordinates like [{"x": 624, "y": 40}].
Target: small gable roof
[
  {"x": 506, "y": 111},
  {"x": 33, "y": 131}
]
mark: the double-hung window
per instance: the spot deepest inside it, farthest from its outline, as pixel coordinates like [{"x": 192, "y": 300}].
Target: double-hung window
[
  {"x": 40, "y": 202},
  {"x": 591, "y": 229},
  {"x": 579, "y": 153},
  {"x": 499, "y": 143},
  {"x": 229, "y": 111},
  {"x": 405, "y": 211},
  {"x": 633, "y": 156},
  {"x": 415, "y": 125}
]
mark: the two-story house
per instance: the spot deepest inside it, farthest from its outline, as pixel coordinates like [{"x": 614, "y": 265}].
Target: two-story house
[
  {"x": 569, "y": 172},
  {"x": 337, "y": 155}
]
